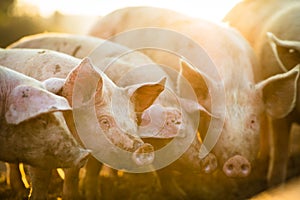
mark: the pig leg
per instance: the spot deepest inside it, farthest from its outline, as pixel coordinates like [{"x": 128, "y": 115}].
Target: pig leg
[
  {"x": 279, "y": 151},
  {"x": 70, "y": 187},
  {"x": 91, "y": 185},
  {"x": 15, "y": 181},
  {"x": 40, "y": 179}
]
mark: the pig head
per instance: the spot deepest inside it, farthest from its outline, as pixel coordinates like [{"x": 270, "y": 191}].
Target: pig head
[
  {"x": 33, "y": 130},
  {"x": 287, "y": 55},
  {"x": 117, "y": 109},
  {"x": 239, "y": 143},
  {"x": 160, "y": 122},
  {"x": 276, "y": 16},
  {"x": 286, "y": 52}
]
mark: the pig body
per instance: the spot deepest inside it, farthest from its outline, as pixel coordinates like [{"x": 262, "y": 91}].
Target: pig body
[
  {"x": 271, "y": 19},
  {"x": 32, "y": 129},
  {"x": 123, "y": 137},
  {"x": 78, "y": 46},
  {"x": 235, "y": 61}
]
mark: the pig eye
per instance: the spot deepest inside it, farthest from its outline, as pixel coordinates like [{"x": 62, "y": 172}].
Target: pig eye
[
  {"x": 105, "y": 123},
  {"x": 253, "y": 122},
  {"x": 291, "y": 50},
  {"x": 252, "y": 86}
]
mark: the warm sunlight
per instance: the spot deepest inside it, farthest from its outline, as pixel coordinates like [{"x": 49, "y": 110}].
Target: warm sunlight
[{"x": 211, "y": 9}]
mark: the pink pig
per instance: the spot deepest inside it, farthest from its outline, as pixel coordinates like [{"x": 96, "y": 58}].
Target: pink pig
[
  {"x": 273, "y": 32},
  {"x": 33, "y": 131}
]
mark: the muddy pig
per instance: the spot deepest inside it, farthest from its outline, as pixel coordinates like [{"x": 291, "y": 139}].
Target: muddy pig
[{"x": 33, "y": 131}]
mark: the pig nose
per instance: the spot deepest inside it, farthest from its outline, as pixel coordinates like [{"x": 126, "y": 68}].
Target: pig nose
[
  {"x": 143, "y": 155},
  {"x": 83, "y": 156},
  {"x": 209, "y": 164},
  {"x": 237, "y": 166},
  {"x": 137, "y": 142}
]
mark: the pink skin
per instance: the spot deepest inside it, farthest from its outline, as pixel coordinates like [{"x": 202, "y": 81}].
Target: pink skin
[
  {"x": 160, "y": 122},
  {"x": 138, "y": 99},
  {"x": 34, "y": 132},
  {"x": 25, "y": 99},
  {"x": 274, "y": 35}
]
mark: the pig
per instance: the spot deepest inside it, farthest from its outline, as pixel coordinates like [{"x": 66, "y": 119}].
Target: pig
[
  {"x": 33, "y": 129},
  {"x": 58, "y": 65},
  {"x": 269, "y": 18},
  {"x": 286, "y": 53},
  {"x": 246, "y": 104},
  {"x": 237, "y": 166}
]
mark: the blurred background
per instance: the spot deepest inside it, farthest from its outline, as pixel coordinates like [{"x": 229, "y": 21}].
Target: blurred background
[{"x": 24, "y": 17}]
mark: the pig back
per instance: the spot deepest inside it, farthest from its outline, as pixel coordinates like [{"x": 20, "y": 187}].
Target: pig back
[{"x": 38, "y": 63}]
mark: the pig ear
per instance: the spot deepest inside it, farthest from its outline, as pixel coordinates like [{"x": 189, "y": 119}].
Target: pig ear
[
  {"x": 195, "y": 79},
  {"x": 26, "y": 102},
  {"x": 143, "y": 95},
  {"x": 283, "y": 47},
  {"x": 279, "y": 92},
  {"x": 84, "y": 73},
  {"x": 54, "y": 85},
  {"x": 191, "y": 106}
]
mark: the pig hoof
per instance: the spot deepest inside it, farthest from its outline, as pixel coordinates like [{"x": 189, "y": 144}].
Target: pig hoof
[
  {"x": 209, "y": 164},
  {"x": 144, "y": 155},
  {"x": 237, "y": 166}
]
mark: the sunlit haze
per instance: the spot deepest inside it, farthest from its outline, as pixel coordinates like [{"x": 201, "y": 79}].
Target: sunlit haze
[{"x": 210, "y": 9}]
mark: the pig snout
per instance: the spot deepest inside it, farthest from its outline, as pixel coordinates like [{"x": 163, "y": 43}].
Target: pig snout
[
  {"x": 209, "y": 164},
  {"x": 82, "y": 158},
  {"x": 143, "y": 155},
  {"x": 137, "y": 142},
  {"x": 237, "y": 166}
]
